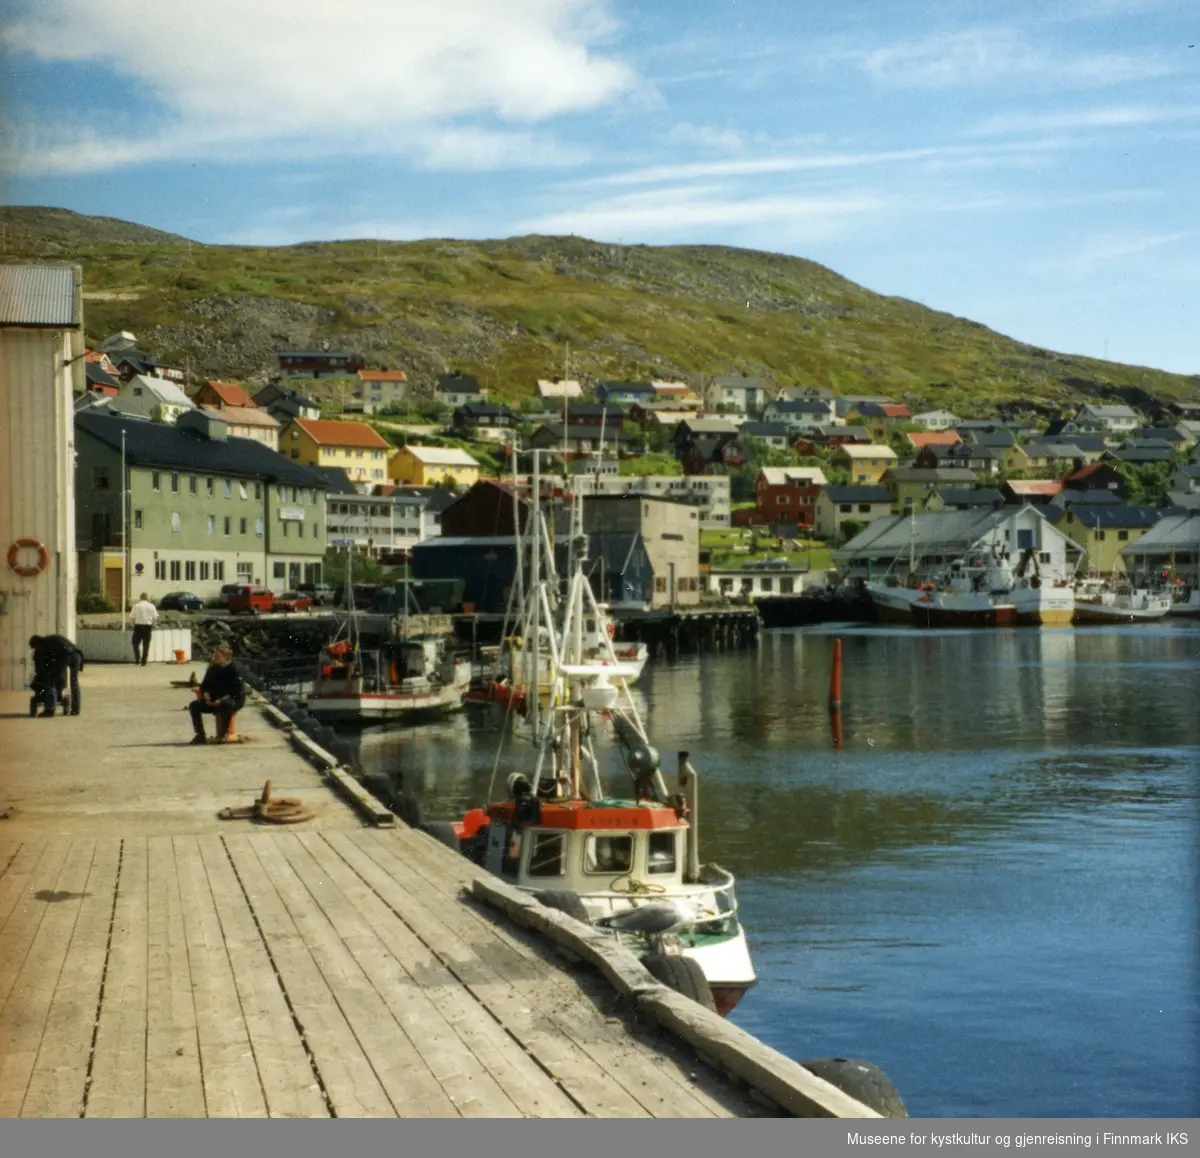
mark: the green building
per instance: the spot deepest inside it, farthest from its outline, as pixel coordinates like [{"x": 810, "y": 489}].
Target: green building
[{"x": 200, "y": 509}]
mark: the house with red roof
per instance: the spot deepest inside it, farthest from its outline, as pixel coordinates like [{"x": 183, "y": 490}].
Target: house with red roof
[
  {"x": 218, "y": 395},
  {"x": 360, "y": 450}
]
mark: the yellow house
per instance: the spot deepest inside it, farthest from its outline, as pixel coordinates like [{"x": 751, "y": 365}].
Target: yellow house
[
  {"x": 1104, "y": 529},
  {"x": 357, "y": 448},
  {"x": 427, "y": 465},
  {"x": 867, "y": 463}
]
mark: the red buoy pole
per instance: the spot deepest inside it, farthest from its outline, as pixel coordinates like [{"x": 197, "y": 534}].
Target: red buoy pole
[{"x": 835, "y": 677}]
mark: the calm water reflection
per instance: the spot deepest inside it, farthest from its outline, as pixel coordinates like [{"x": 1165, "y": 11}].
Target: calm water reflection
[{"x": 990, "y": 890}]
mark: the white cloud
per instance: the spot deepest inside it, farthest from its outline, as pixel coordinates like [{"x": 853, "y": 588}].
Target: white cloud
[
  {"x": 226, "y": 70},
  {"x": 986, "y": 56}
]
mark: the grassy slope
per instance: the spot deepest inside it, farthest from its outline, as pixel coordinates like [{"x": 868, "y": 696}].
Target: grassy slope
[{"x": 507, "y": 309}]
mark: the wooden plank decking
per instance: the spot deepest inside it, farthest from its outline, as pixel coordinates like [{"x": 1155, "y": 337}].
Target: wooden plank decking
[{"x": 303, "y": 974}]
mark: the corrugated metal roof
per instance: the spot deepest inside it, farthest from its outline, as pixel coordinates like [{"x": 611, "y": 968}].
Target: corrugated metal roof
[
  {"x": 38, "y": 295},
  {"x": 1170, "y": 533},
  {"x": 945, "y": 530}
]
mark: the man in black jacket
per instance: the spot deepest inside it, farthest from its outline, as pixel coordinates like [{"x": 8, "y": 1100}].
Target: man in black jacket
[
  {"x": 54, "y": 656},
  {"x": 221, "y": 692}
]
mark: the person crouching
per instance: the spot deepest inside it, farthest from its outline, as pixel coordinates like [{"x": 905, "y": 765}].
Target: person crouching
[{"x": 221, "y": 692}]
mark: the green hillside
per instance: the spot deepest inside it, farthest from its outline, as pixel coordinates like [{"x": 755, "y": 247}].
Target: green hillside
[{"x": 508, "y": 311}]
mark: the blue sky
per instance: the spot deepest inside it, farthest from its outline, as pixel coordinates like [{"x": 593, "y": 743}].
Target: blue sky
[{"x": 1032, "y": 166}]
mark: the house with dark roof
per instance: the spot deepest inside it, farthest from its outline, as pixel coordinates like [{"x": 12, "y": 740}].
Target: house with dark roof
[
  {"x": 839, "y": 506},
  {"x": 833, "y": 436},
  {"x": 455, "y": 390},
  {"x": 736, "y": 392},
  {"x": 627, "y": 393},
  {"x": 284, "y": 403},
  {"x": 319, "y": 363},
  {"x": 962, "y": 498},
  {"x": 797, "y": 415},
  {"x": 1140, "y": 452},
  {"x": 983, "y": 460},
  {"x": 708, "y": 445},
  {"x": 1103, "y": 529},
  {"x": 578, "y": 439},
  {"x": 486, "y": 421},
  {"x": 204, "y": 509},
  {"x": 1096, "y": 476}
]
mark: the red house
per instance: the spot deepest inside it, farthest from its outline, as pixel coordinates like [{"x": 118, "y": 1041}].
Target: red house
[{"x": 783, "y": 494}]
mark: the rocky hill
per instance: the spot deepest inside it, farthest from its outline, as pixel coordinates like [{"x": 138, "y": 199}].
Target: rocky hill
[{"x": 514, "y": 310}]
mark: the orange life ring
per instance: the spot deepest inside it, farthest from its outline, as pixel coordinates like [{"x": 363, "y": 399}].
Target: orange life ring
[
  {"x": 14, "y": 553},
  {"x": 611, "y": 628}
]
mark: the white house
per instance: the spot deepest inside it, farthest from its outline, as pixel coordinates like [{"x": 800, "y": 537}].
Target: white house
[
  {"x": 153, "y": 398},
  {"x": 455, "y": 390},
  {"x": 937, "y": 419},
  {"x": 558, "y": 389},
  {"x": 1114, "y": 419},
  {"x": 737, "y": 392},
  {"x": 41, "y": 369},
  {"x": 800, "y": 415}
]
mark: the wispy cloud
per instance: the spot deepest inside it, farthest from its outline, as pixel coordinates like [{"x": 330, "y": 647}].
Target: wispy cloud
[
  {"x": 682, "y": 210},
  {"x": 1108, "y": 117},
  {"x": 978, "y": 57},
  {"x": 1102, "y": 253},
  {"x": 224, "y": 71},
  {"x": 712, "y": 137}
]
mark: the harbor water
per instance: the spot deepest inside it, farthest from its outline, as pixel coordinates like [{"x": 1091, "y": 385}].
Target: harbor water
[{"x": 989, "y": 889}]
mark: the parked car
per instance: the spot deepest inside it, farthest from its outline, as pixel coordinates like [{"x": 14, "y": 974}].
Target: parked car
[
  {"x": 226, "y": 592},
  {"x": 181, "y": 601},
  {"x": 319, "y": 593},
  {"x": 293, "y": 601},
  {"x": 251, "y": 600}
]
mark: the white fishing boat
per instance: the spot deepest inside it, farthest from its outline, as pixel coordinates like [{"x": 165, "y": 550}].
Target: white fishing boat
[
  {"x": 405, "y": 677},
  {"x": 628, "y": 865},
  {"x": 1185, "y": 600},
  {"x": 1120, "y": 601}
]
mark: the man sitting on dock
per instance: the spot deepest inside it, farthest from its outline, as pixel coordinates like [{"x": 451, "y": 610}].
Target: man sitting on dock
[{"x": 221, "y": 692}]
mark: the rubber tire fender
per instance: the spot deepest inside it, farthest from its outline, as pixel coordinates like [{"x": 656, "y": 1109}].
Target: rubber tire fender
[
  {"x": 862, "y": 1080},
  {"x": 682, "y": 974},
  {"x": 408, "y": 808},
  {"x": 565, "y": 901},
  {"x": 443, "y": 832}
]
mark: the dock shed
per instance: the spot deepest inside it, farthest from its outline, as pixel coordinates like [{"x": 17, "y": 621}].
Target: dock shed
[{"x": 41, "y": 369}]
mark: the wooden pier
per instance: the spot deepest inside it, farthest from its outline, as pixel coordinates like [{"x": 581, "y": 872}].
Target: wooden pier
[{"x": 157, "y": 961}]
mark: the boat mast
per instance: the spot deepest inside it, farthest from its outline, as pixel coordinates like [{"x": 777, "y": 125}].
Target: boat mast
[{"x": 535, "y": 581}]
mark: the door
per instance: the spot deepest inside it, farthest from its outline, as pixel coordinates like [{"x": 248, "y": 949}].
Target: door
[
  {"x": 112, "y": 588},
  {"x": 293, "y": 576}
]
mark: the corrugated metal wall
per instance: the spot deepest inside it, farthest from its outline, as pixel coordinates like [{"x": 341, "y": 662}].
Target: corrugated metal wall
[{"x": 37, "y": 441}]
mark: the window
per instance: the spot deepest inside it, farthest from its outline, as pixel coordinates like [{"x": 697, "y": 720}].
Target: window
[
  {"x": 242, "y": 491},
  {"x": 176, "y": 522},
  {"x": 864, "y": 508},
  {"x": 192, "y": 480},
  {"x": 295, "y": 434},
  {"x": 242, "y": 526},
  {"x": 607, "y": 854},
  {"x": 210, "y": 484},
  {"x": 1123, "y": 535},
  {"x": 786, "y": 586},
  {"x": 314, "y": 527},
  {"x": 189, "y": 570},
  {"x": 99, "y": 478},
  {"x": 175, "y": 569},
  {"x": 258, "y": 490},
  {"x": 155, "y": 482},
  {"x": 137, "y": 520},
  {"x": 160, "y": 569},
  {"x": 174, "y": 482},
  {"x": 672, "y": 536},
  {"x": 660, "y": 583},
  {"x": 212, "y": 524},
  {"x": 278, "y": 570},
  {"x": 846, "y": 508},
  {"x": 547, "y": 854},
  {"x": 258, "y": 527},
  {"x": 219, "y": 569},
  {"x": 661, "y": 852},
  {"x": 726, "y": 584},
  {"x": 228, "y": 524},
  {"x": 244, "y": 571},
  {"x": 204, "y": 570},
  {"x": 287, "y": 530},
  {"x": 228, "y": 488}
]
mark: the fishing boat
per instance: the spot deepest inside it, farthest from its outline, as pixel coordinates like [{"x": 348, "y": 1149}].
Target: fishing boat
[
  {"x": 1103, "y": 601},
  {"x": 628, "y": 865},
  {"x": 405, "y": 677},
  {"x": 973, "y": 593},
  {"x": 1185, "y": 600}
]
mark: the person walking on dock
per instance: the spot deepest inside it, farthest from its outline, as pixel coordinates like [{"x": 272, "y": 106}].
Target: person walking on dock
[
  {"x": 143, "y": 615},
  {"x": 221, "y": 693},
  {"x": 54, "y": 658}
]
